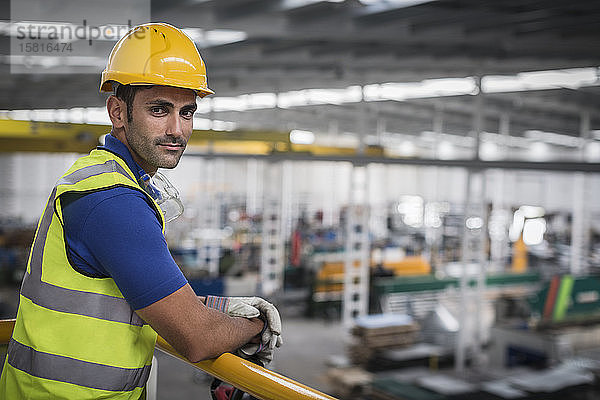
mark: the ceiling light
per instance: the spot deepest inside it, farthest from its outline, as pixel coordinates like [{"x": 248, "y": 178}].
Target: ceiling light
[
  {"x": 298, "y": 136},
  {"x": 572, "y": 78},
  {"x": 291, "y": 4},
  {"x": 215, "y": 37},
  {"x": 592, "y": 152},
  {"x": 554, "y": 138},
  {"x": 533, "y": 231},
  {"x": 407, "y": 149},
  {"x": 532, "y": 211},
  {"x": 445, "y": 150},
  {"x": 539, "y": 151},
  {"x": 474, "y": 223},
  {"x": 489, "y": 151}
]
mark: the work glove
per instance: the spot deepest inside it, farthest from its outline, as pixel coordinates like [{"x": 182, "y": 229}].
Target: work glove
[
  {"x": 252, "y": 307},
  {"x": 259, "y": 353},
  {"x": 232, "y": 308}
]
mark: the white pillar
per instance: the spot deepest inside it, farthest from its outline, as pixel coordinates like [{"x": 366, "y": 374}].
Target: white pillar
[
  {"x": 581, "y": 220},
  {"x": 500, "y": 216},
  {"x": 357, "y": 250},
  {"x": 273, "y": 219},
  {"x": 473, "y": 247},
  {"x": 7, "y": 186},
  {"x": 431, "y": 207},
  {"x": 254, "y": 186},
  {"x": 209, "y": 221},
  {"x": 473, "y": 253}
]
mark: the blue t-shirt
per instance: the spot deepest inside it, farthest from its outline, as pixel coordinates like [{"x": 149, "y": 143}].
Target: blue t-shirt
[{"x": 115, "y": 233}]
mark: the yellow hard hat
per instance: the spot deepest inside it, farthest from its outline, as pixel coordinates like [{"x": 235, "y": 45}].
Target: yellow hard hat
[{"x": 156, "y": 54}]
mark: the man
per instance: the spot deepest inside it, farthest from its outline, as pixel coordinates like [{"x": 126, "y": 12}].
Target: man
[{"x": 100, "y": 282}]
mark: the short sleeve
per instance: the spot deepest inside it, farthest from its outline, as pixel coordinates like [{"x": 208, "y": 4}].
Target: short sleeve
[{"x": 123, "y": 236}]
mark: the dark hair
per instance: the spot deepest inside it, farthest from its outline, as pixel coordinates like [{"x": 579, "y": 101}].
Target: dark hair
[{"x": 127, "y": 94}]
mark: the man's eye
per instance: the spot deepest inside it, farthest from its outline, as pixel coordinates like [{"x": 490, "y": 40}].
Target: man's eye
[
  {"x": 157, "y": 110},
  {"x": 187, "y": 114}
]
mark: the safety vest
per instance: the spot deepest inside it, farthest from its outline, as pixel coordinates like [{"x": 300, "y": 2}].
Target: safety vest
[{"x": 75, "y": 336}]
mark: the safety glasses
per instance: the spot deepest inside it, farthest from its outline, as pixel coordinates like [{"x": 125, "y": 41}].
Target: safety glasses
[{"x": 164, "y": 193}]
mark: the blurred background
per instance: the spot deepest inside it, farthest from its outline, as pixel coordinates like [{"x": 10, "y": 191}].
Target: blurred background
[{"x": 414, "y": 183}]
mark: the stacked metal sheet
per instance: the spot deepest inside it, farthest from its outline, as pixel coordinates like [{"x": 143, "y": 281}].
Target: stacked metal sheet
[{"x": 375, "y": 333}]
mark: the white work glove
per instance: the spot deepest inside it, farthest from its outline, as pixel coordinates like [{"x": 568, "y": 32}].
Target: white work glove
[
  {"x": 252, "y": 353},
  {"x": 233, "y": 309},
  {"x": 247, "y": 307},
  {"x": 263, "y": 353}
]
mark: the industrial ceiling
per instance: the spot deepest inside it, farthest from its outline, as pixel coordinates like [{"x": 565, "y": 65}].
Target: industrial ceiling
[{"x": 296, "y": 45}]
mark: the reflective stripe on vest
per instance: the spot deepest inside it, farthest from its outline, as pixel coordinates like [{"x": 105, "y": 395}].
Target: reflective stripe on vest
[
  {"x": 96, "y": 305},
  {"x": 92, "y": 170},
  {"x": 78, "y": 372}
]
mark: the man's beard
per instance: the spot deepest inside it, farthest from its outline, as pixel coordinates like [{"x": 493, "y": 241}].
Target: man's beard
[{"x": 150, "y": 150}]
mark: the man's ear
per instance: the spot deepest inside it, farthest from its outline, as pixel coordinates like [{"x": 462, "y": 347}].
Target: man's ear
[{"x": 117, "y": 111}]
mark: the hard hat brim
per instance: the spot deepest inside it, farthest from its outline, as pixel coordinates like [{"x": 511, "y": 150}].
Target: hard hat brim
[{"x": 127, "y": 79}]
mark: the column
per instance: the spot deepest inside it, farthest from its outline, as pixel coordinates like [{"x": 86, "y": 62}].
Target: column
[
  {"x": 209, "y": 221},
  {"x": 273, "y": 243},
  {"x": 580, "y": 222},
  {"x": 357, "y": 250},
  {"x": 473, "y": 247}
]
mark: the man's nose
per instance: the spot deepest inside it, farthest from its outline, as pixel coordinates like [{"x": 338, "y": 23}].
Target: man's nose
[{"x": 174, "y": 126}]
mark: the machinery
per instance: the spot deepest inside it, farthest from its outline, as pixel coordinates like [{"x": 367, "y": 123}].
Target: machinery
[{"x": 564, "y": 323}]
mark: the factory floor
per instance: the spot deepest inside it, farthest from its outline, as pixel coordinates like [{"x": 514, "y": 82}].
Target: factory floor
[{"x": 308, "y": 346}]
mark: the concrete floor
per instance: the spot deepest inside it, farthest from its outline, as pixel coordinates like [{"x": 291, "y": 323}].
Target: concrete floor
[{"x": 308, "y": 345}]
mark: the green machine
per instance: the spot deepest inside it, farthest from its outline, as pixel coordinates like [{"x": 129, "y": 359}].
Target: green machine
[{"x": 566, "y": 299}]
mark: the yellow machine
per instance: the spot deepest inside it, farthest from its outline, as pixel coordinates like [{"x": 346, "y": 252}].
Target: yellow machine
[{"x": 330, "y": 277}]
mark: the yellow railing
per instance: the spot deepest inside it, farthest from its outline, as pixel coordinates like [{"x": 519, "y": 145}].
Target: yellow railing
[{"x": 249, "y": 377}]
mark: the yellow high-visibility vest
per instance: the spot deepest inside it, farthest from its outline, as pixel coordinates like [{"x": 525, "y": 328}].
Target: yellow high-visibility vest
[{"x": 75, "y": 336}]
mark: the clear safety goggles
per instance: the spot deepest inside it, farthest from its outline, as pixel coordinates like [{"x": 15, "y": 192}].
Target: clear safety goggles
[{"x": 164, "y": 193}]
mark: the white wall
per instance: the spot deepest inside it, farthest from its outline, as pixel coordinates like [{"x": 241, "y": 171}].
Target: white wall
[
  {"x": 27, "y": 178},
  {"x": 26, "y": 181}
]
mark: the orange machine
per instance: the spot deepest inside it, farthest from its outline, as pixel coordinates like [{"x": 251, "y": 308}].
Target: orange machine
[{"x": 330, "y": 278}]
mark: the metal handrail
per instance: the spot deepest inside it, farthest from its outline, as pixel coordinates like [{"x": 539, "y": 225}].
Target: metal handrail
[{"x": 244, "y": 375}]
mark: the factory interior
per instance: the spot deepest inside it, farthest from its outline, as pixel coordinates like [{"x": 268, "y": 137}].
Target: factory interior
[{"x": 412, "y": 183}]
